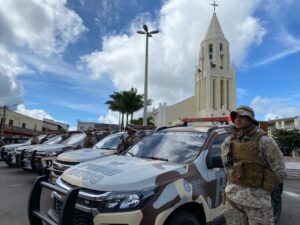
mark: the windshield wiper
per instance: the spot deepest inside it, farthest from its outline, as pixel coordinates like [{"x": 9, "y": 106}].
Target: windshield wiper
[
  {"x": 155, "y": 158},
  {"x": 106, "y": 148}
]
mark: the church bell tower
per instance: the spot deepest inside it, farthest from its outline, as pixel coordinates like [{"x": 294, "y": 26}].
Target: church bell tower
[{"x": 215, "y": 88}]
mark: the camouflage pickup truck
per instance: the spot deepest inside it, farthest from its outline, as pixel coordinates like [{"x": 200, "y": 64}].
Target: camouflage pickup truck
[{"x": 174, "y": 176}]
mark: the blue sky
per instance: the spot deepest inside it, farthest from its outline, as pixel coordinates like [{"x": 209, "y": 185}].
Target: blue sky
[{"x": 62, "y": 59}]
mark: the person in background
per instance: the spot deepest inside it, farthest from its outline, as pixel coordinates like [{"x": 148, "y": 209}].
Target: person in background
[
  {"x": 129, "y": 140},
  {"x": 34, "y": 139},
  {"x": 254, "y": 165},
  {"x": 89, "y": 140}
]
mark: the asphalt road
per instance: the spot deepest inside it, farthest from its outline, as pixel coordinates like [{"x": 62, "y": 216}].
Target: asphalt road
[{"x": 15, "y": 186}]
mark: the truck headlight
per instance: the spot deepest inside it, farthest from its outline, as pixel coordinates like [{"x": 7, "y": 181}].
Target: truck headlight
[{"x": 117, "y": 201}]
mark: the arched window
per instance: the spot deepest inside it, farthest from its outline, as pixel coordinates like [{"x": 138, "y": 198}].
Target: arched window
[{"x": 210, "y": 53}]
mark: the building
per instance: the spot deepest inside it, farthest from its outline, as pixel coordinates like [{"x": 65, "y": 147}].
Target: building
[
  {"x": 19, "y": 124},
  {"x": 215, "y": 86},
  {"x": 83, "y": 126},
  {"x": 13, "y": 123},
  {"x": 288, "y": 123},
  {"x": 53, "y": 126}
]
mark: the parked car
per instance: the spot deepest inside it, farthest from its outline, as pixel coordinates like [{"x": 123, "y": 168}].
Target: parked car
[
  {"x": 43, "y": 156},
  {"x": 22, "y": 154},
  {"x": 106, "y": 146},
  {"x": 4, "y": 140},
  {"x": 6, "y": 149}
]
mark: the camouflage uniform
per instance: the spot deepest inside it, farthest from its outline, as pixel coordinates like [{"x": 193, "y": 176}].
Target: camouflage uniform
[
  {"x": 34, "y": 140},
  {"x": 2, "y": 143},
  {"x": 89, "y": 141},
  {"x": 251, "y": 205},
  {"x": 126, "y": 143}
]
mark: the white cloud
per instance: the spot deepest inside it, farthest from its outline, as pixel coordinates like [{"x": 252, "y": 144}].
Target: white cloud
[
  {"x": 111, "y": 117},
  {"x": 174, "y": 51},
  {"x": 271, "y": 108},
  {"x": 11, "y": 90},
  {"x": 48, "y": 28},
  {"x": 32, "y": 28},
  {"x": 34, "y": 113},
  {"x": 241, "y": 92}
]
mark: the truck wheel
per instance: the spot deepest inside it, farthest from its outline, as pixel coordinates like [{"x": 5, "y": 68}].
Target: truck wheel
[
  {"x": 276, "y": 203},
  {"x": 182, "y": 218}
]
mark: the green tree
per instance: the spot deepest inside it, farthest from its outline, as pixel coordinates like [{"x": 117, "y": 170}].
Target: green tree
[
  {"x": 116, "y": 104},
  {"x": 139, "y": 121},
  {"x": 287, "y": 139},
  {"x": 133, "y": 102},
  {"x": 126, "y": 102}
]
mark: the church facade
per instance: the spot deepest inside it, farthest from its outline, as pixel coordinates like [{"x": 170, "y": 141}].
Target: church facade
[{"x": 215, "y": 86}]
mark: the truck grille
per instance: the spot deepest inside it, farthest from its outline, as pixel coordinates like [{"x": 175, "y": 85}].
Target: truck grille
[
  {"x": 66, "y": 162},
  {"x": 80, "y": 218}
]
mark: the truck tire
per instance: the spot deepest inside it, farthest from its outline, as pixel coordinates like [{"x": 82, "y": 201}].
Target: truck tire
[
  {"x": 182, "y": 218},
  {"x": 276, "y": 202}
]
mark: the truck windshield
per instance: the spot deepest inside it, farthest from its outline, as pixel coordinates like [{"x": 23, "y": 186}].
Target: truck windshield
[
  {"x": 175, "y": 147},
  {"x": 74, "y": 139},
  {"x": 110, "y": 142},
  {"x": 55, "y": 140}
]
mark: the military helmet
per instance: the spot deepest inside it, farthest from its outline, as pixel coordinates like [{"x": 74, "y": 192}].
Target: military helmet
[
  {"x": 89, "y": 131},
  {"x": 244, "y": 111},
  {"x": 130, "y": 127}
]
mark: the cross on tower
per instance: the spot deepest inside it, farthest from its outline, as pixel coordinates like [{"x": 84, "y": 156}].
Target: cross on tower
[{"x": 214, "y": 5}]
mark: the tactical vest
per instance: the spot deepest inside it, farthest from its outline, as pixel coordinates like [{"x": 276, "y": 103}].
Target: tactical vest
[{"x": 248, "y": 169}]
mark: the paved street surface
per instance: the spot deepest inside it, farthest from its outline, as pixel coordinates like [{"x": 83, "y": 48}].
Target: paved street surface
[{"x": 15, "y": 185}]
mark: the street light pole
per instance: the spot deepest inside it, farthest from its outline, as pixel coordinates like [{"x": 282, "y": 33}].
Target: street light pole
[{"x": 148, "y": 34}]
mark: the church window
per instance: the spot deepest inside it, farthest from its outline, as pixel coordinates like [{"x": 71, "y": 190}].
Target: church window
[
  {"x": 202, "y": 59},
  {"x": 222, "y": 61},
  {"x": 221, "y": 47},
  {"x": 222, "y": 93},
  {"x": 227, "y": 94},
  {"x": 210, "y": 53}
]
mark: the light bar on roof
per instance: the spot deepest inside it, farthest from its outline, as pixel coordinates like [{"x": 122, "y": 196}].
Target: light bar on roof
[{"x": 207, "y": 119}]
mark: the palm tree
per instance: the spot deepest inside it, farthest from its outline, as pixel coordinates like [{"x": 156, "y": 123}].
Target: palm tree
[
  {"x": 133, "y": 102},
  {"x": 126, "y": 102},
  {"x": 116, "y": 104}
]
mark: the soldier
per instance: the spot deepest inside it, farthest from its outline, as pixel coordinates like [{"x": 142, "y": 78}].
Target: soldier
[
  {"x": 65, "y": 135},
  {"x": 34, "y": 139},
  {"x": 2, "y": 143},
  {"x": 130, "y": 140},
  {"x": 89, "y": 140},
  {"x": 254, "y": 165}
]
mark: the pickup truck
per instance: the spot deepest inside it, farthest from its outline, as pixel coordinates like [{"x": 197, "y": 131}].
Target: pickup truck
[{"x": 174, "y": 176}]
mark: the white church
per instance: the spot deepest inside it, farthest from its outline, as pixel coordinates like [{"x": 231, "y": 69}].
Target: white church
[{"x": 215, "y": 86}]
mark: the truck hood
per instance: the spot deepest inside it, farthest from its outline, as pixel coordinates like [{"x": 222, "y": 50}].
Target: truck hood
[
  {"x": 25, "y": 147},
  {"x": 48, "y": 149},
  {"x": 12, "y": 147},
  {"x": 122, "y": 173},
  {"x": 84, "y": 155}
]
